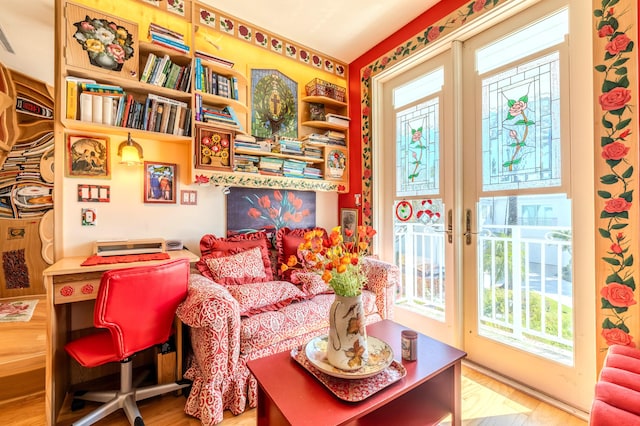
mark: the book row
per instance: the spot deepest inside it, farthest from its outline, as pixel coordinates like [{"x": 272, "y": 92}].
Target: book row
[
  {"x": 208, "y": 81},
  {"x": 163, "y": 72}
]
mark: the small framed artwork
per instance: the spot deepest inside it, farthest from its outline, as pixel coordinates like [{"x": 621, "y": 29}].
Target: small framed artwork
[
  {"x": 160, "y": 182},
  {"x": 349, "y": 222},
  {"x": 335, "y": 166},
  {"x": 213, "y": 148},
  {"x": 88, "y": 157}
]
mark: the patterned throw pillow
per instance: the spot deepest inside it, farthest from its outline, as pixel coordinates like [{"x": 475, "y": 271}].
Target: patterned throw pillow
[
  {"x": 287, "y": 242},
  {"x": 268, "y": 296},
  {"x": 212, "y": 246},
  {"x": 311, "y": 283},
  {"x": 243, "y": 267}
]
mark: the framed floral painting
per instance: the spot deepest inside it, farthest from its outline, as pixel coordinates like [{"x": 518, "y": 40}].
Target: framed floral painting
[
  {"x": 101, "y": 43},
  {"x": 255, "y": 209},
  {"x": 213, "y": 148},
  {"x": 160, "y": 181}
]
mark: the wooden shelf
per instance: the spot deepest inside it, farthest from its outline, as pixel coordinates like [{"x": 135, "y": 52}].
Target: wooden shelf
[
  {"x": 130, "y": 85},
  {"x": 325, "y": 125},
  {"x": 325, "y": 101},
  {"x": 278, "y": 155},
  {"x": 221, "y": 100},
  {"x": 84, "y": 126},
  {"x": 176, "y": 56}
]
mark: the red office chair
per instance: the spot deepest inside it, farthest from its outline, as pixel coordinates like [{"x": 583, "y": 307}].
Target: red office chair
[{"x": 134, "y": 310}]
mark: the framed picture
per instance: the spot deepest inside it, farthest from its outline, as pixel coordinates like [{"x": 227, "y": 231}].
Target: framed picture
[
  {"x": 88, "y": 157},
  {"x": 100, "y": 42},
  {"x": 213, "y": 148},
  {"x": 335, "y": 166},
  {"x": 160, "y": 182},
  {"x": 274, "y": 104},
  {"x": 349, "y": 221}
]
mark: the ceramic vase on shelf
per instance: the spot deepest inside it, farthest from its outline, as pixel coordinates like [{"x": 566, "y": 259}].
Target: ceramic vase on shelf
[{"x": 347, "y": 345}]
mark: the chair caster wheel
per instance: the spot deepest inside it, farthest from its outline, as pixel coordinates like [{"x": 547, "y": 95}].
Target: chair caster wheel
[
  {"x": 77, "y": 404},
  {"x": 138, "y": 422}
]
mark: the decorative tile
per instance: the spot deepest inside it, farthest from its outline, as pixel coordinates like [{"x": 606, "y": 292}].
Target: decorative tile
[
  {"x": 244, "y": 32},
  {"x": 316, "y": 61},
  {"x": 276, "y": 45},
  {"x": 207, "y": 18},
  {"x": 328, "y": 65},
  {"x": 304, "y": 56},
  {"x": 291, "y": 51},
  {"x": 340, "y": 70},
  {"x": 226, "y": 25},
  {"x": 261, "y": 39},
  {"x": 176, "y": 6}
]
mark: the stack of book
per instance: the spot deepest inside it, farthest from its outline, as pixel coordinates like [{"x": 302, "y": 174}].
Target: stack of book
[
  {"x": 293, "y": 168},
  {"x": 247, "y": 142},
  {"x": 245, "y": 163},
  {"x": 223, "y": 116},
  {"x": 312, "y": 151},
  {"x": 163, "y": 72},
  {"x": 336, "y": 138},
  {"x": 165, "y": 37},
  {"x": 341, "y": 120},
  {"x": 290, "y": 146},
  {"x": 312, "y": 173},
  {"x": 271, "y": 166},
  {"x": 214, "y": 59},
  {"x": 315, "y": 139}
]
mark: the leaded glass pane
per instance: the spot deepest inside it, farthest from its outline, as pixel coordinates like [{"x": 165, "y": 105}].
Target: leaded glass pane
[
  {"x": 521, "y": 126},
  {"x": 418, "y": 149}
]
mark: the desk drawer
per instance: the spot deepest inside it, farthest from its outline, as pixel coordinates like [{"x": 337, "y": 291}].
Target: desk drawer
[{"x": 75, "y": 291}]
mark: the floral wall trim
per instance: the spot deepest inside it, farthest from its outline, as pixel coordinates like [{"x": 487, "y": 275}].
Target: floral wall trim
[
  {"x": 446, "y": 25},
  {"x": 247, "y": 32},
  {"x": 179, "y": 7},
  {"x": 275, "y": 182},
  {"x": 615, "y": 70}
]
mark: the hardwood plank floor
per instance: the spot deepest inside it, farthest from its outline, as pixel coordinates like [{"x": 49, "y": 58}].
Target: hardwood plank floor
[{"x": 485, "y": 402}]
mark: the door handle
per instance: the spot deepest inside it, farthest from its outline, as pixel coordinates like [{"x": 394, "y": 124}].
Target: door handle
[
  {"x": 449, "y": 230},
  {"x": 467, "y": 225}
]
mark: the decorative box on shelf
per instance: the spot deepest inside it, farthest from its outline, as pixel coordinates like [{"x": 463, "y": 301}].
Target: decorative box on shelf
[{"x": 319, "y": 87}]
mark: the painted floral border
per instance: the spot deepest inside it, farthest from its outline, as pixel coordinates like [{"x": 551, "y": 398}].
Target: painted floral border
[
  {"x": 247, "y": 32},
  {"x": 453, "y": 21},
  {"x": 179, "y": 7},
  {"x": 614, "y": 122},
  {"x": 275, "y": 182}
]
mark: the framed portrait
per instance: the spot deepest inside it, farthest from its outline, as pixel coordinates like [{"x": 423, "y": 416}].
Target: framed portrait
[
  {"x": 88, "y": 157},
  {"x": 160, "y": 182},
  {"x": 213, "y": 148},
  {"x": 349, "y": 221},
  {"x": 118, "y": 56}
]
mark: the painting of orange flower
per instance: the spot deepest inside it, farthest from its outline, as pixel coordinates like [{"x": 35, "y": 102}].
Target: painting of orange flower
[{"x": 251, "y": 209}]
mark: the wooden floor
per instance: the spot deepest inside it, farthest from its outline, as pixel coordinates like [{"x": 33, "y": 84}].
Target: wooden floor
[{"x": 484, "y": 401}]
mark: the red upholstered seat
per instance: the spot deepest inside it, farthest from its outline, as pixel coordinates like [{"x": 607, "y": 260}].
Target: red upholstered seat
[{"x": 134, "y": 310}]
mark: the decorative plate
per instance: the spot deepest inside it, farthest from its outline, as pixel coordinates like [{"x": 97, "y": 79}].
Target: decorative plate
[
  {"x": 380, "y": 356},
  {"x": 352, "y": 390}
]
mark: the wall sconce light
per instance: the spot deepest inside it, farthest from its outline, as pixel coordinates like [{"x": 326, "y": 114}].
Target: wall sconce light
[{"x": 130, "y": 152}]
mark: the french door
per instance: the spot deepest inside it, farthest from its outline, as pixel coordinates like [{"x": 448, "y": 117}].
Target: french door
[{"x": 478, "y": 202}]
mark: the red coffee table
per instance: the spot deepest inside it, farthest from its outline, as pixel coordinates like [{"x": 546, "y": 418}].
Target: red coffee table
[{"x": 289, "y": 394}]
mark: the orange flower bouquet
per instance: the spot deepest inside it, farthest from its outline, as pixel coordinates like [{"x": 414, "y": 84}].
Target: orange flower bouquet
[{"x": 337, "y": 260}]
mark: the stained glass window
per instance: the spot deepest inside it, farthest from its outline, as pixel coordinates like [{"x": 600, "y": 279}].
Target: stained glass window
[{"x": 521, "y": 126}]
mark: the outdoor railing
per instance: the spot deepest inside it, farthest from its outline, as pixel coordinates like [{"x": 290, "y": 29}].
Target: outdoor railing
[{"x": 525, "y": 292}]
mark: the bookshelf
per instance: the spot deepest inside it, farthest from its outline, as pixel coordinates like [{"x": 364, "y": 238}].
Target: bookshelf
[{"x": 194, "y": 84}]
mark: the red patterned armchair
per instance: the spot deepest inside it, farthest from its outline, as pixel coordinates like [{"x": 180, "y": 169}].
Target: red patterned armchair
[{"x": 235, "y": 315}]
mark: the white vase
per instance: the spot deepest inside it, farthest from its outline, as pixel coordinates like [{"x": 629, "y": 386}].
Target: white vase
[{"x": 347, "y": 346}]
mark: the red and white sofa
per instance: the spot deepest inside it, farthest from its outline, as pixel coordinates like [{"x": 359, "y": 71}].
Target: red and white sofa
[{"x": 238, "y": 310}]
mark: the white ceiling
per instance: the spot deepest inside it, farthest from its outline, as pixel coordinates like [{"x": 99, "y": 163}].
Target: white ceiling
[{"x": 343, "y": 29}]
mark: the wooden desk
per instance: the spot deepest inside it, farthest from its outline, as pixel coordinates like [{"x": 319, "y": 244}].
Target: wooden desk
[
  {"x": 289, "y": 395},
  {"x": 67, "y": 283}
]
